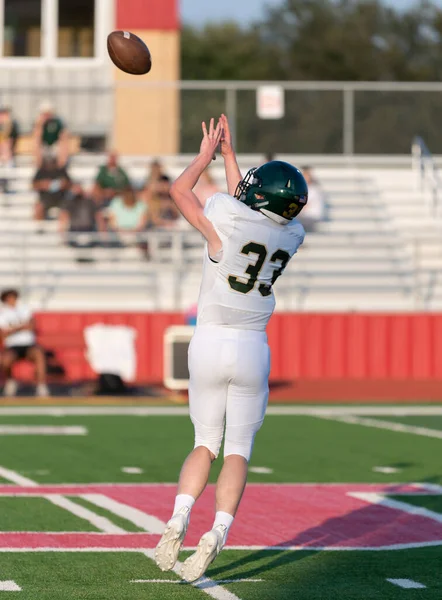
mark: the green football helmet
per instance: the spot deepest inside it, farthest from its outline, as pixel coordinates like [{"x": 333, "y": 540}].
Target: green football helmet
[{"x": 277, "y": 189}]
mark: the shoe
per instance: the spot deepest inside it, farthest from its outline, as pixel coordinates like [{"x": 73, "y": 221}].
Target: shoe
[
  {"x": 42, "y": 391},
  {"x": 210, "y": 545},
  {"x": 166, "y": 553},
  {"x": 10, "y": 388}
]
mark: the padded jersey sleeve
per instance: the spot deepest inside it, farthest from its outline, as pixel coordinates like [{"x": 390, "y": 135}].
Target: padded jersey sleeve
[{"x": 221, "y": 210}]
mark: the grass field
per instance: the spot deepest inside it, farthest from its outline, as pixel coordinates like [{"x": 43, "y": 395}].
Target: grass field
[{"x": 342, "y": 503}]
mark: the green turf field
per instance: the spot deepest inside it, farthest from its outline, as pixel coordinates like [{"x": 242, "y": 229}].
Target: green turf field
[{"x": 361, "y": 505}]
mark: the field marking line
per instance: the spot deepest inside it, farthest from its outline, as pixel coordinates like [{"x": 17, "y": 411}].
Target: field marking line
[
  {"x": 389, "y": 425},
  {"x": 411, "y": 509},
  {"x": 407, "y": 584},
  {"x": 429, "y": 487},
  {"x": 218, "y": 581},
  {"x": 206, "y": 585},
  {"x": 9, "y": 586},
  {"x": 16, "y": 478},
  {"x": 99, "y": 549},
  {"x": 99, "y": 522},
  {"x": 30, "y": 430},
  {"x": 149, "y": 523},
  {"x": 261, "y": 470},
  {"x": 183, "y": 411}
]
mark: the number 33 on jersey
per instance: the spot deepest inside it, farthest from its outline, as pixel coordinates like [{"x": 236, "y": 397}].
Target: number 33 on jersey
[{"x": 237, "y": 291}]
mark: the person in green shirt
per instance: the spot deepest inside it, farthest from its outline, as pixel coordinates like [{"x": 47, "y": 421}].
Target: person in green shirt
[
  {"x": 51, "y": 137},
  {"x": 111, "y": 180}
]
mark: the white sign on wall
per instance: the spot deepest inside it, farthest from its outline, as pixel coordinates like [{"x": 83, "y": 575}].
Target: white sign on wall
[{"x": 270, "y": 102}]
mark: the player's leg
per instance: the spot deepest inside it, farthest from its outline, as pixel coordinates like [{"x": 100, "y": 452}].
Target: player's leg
[
  {"x": 246, "y": 405},
  {"x": 207, "y": 402},
  {"x": 36, "y": 355},
  {"x": 9, "y": 357}
]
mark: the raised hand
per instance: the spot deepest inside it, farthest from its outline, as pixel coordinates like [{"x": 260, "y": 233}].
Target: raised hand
[
  {"x": 211, "y": 138},
  {"x": 226, "y": 137}
]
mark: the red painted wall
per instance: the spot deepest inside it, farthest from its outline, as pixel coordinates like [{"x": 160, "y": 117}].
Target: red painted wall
[
  {"x": 148, "y": 14},
  {"x": 335, "y": 347}
]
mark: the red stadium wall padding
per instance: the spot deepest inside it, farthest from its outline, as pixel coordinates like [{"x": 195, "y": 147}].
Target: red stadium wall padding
[
  {"x": 308, "y": 347},
  {"x": 148, "y": 14}
]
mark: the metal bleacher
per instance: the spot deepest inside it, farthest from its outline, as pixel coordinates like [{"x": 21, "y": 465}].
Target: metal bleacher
[{"x": 378, "y": 249}]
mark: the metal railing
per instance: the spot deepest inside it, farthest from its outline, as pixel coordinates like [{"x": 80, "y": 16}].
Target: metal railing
[
  {"x": 97, "y": 266},
  {"x": 347, "y": 118}
]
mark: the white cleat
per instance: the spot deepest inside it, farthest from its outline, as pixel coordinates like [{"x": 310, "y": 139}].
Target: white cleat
[
  {"x": 210, "y": 545},
  {"x": 10, "y": 388},
  {"x": 166, "y": 553}
]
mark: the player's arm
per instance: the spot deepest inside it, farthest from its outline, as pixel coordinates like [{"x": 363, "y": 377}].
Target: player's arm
[
  {"x": 233, "y": 173},
  {"x": 182, "y": 190}
]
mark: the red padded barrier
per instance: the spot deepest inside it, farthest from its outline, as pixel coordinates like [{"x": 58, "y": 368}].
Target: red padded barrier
[
  {"x": 148, "y": 14},
  {"x": 311, "y": 347}
]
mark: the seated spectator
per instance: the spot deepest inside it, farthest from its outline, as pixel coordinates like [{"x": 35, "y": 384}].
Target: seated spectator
[
  {"x": 163, "y": 211},
  {"x": 314, "y": 212},
  {"x": 8, "y": 140},
  {"x": 80, "y": 214},
  {"x": 111, "y": 180},
  {"x": 51, "y": 182},
  {"x": 206, "y": 187},
  {"x": 50, "y": 136},
  {"x": 17, "y": 329},
  {"x": 8, "y": 137},
  {"x": 155, "y": 173},
  {"x": 127, "y": 214}
]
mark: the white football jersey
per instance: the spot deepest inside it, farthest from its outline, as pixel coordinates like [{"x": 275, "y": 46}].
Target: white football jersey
[
  {"x": 14, "y": 317},
  {"x": 237, "y": 291}
]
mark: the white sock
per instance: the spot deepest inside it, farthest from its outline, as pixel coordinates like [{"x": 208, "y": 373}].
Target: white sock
[
  {"x": 223, "y": 518},
  {"x": 183, "y": 500}
]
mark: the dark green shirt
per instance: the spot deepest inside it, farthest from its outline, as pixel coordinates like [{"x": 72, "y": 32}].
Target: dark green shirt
[
  {"x": 114, "y": 179},
  {"x": 52, "y": 129}
]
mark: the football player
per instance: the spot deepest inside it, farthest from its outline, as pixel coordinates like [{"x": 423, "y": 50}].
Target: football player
[{"x": 251, "y": 235}]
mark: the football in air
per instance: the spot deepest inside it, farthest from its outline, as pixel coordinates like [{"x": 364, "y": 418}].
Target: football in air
[{"x": 129, "y": 53}]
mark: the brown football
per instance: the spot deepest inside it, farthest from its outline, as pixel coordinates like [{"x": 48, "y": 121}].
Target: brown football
[{"x": 129, "y": 53}]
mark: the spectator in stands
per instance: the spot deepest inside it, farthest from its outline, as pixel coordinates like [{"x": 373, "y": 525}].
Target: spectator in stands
[
  {"x": 206, "y": 187},
  {"x": 314, "y": 212},
  {"x": 51, "y": 182},
  {"x": 50, "y": 136},
  {"x": 162, "y": 209},
  {"x": 155, "y": 173},
  {"x": 8, "y": 136},
  {"x": 127, "y": 213},
  {"x": 8, "y": 140},
  {"x": 111, "y": 180},
  {"x": 17, "y": 329},
  {"x": 79, "y": 215}
]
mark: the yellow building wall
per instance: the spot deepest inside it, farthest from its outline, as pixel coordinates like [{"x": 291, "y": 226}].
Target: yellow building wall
[{"x": 147, "y": 119}]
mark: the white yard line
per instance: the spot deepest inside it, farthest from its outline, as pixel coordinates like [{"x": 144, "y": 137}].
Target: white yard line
[
  {"x": 42, "y": 430},
  {"x": 139, "y": 518},
  {"x": 210, "y": 587},
  {"x": 9, "y": 586},
  {"x": 218, "y": 581},
  {"x": 414, "y": 545},
  {"x": 183, "y": 411},
  {"x": 389, "y": 425},
  {"x": 101, "y": 523},
  {"x": 16, "y": 478},
  {"x": 407, "y": 584},
  {"x": 411, "y": 509},
  {"x": 261, "y": 470}
]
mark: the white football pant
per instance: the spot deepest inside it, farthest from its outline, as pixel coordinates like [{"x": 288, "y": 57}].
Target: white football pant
[{"x": 228, "y": 388}]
